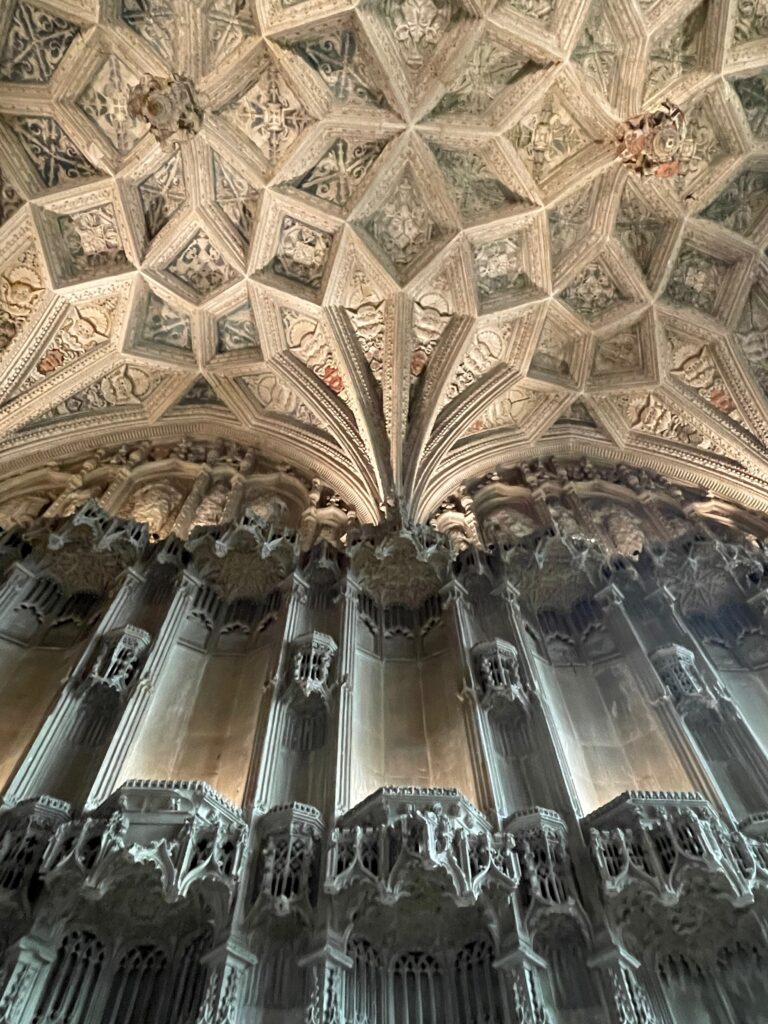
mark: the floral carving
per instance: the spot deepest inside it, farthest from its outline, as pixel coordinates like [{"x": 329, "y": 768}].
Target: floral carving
[
  {"x": 418, "y": 26},
  {"x": 153, "y": 21},
  {"x": 338, "y": 59},
  {"x": 489, "y": 69},
  {"x": 742, "y": 203},
  {"x": 35, "y": 44},
  {"x": 753, "y": 93},
  {"x": 168, "y": 105},
  {"x": 473, "y": 185},
  {"x": 554, "y": 353},
  {"x": 547, "y": 137},
  {"x": 105, "y": 102},
  {"x": 302, "y": 252},
  {"x": 92, "y": 241},
  {"x": 697, "y": 369},
  {"x": 270, "y": 114},
  {"x": 226, "y": 24},
  {"x": 639, "y": 229},
  {"x": 310, "y": 344},
  {"x": 84, "y": 330},
  {"x": 498, "y": 267},
  {"x": 597, "y": 52},
  {"x": 162, "y": 326},
  {"x": 236, "y": 197},
  {"x": 54, "y": 156},
  {"x": 675, "y": 51},
  {"x": 695, "y": 280},
  {"x": 201, "y": 267},
  {"x": 569, "y": 222},
  {"x": 751, "y": 20},
  {"x": 617, "y": 352},
  {"x": 592, "y": 293},
  {"x": 10, "y": 200},
  {"x": 431, "y": 315},
  {"x": 162, "y": 193},
  {"x": 365, "y": 308},
  {"x": 20, "y": 290},
  {"x": 404, "y": 226},
  {"x": 539, "y": 9},
  {"x": 654, "y": 417},
  {"x": 340, "y": 170},
  {"x": 484, "y": 353},
  {"x": 237, "y": 332},
  {"x": 127, "y": 385},
  {"x": 274, "y": 395}
]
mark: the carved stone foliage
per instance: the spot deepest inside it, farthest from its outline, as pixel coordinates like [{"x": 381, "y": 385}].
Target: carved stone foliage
[
  {"x": 341, "y": 63},
  {"x": 169, "y": 106},
  {"x": 696, "y": 279},
  {"x": 652, "y": 143},
  {"x": 10, "y": 200},
  {"x": 339, "y": 172},
  {"x": 302, "y": 252},
  {"x": 402, "y": 174},
  {"x": 270, "y": 114},
  {"x": 201, "y": 267},
  {"x": 742, "y": 204},
  {"x": 593, "y": 292},
  {"x": 547, "y": 137},
  {"x": 403, "y": 227},
  {"x": 162, "y": 193},
  {"x": 105, "y": 101},
  {"x": 237, "y": 331},
  {"x": 53, "y": 155},
  {"x": 753, "y": 93},
  {"x": 35, "y": 41}
]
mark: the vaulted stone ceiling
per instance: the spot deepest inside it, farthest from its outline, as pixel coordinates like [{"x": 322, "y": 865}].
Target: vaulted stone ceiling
[{"x": 395, "y": 245}]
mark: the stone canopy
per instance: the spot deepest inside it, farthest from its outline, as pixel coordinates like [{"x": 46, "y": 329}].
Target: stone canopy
[{"x": 394, "y": 243}]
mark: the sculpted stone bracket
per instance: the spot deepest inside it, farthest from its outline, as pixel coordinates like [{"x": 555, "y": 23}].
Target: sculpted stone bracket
[
  {"x": 288, "y": 877},
  {"x": 311, "y": 661},
  {"x": 669, "y": 848},
  {"x": 188, "y": 835},
  {"x": 396, "y": 834},
  {"x": 498, "y": 675}
]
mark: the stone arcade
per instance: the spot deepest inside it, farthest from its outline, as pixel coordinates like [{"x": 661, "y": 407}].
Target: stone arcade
[{"x": 383, "y": 512}]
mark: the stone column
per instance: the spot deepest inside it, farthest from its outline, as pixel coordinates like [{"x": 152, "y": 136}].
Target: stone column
[
  {"x": 552, "y": 752},
  {"x": 325, "y": 972},
  {"x": 490, "y": 794},
  {"x": 230, "y": 976},
  {"x": 266, "y": 758},
  {"x": 708, "y": 712},
  {"x": 521, "y": 988},
  {"x": 345, "y": 673},
  {"x": 624, "y": 994},
  {"x": 26, "y": 968},
  {"x": 139, "y": 701},
  {"x": 611, "y": 600}
]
